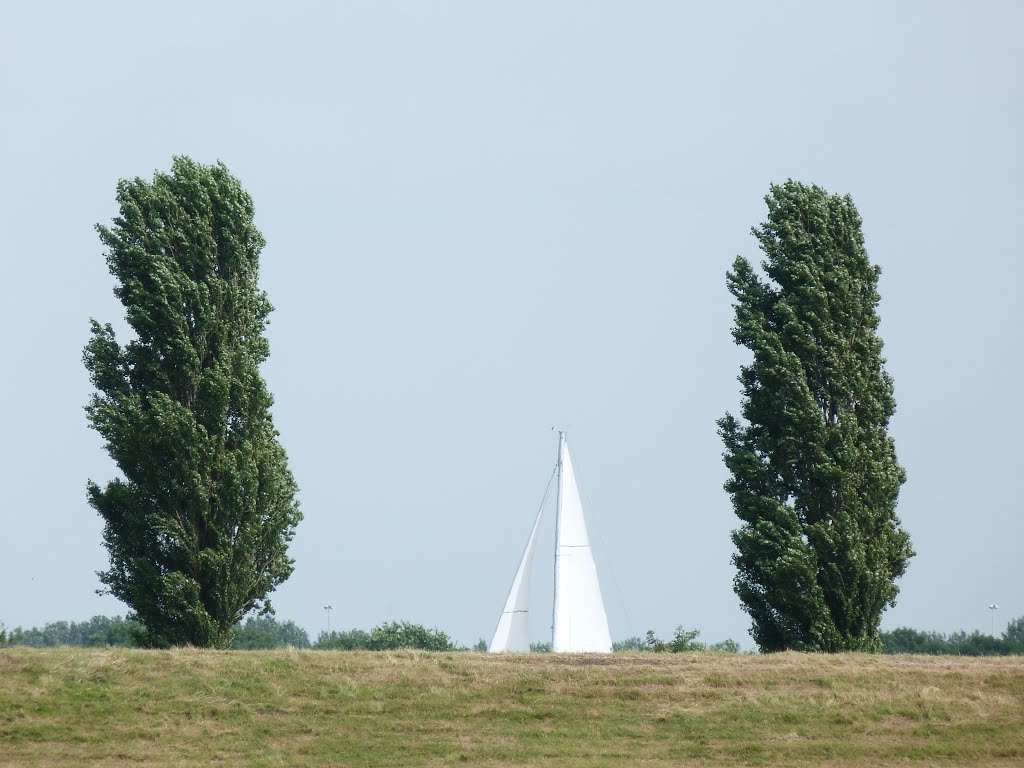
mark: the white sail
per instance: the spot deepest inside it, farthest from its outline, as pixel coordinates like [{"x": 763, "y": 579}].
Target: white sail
[
  {"x": 512, "y": 632},
  {"x": 580, "y": 622}
]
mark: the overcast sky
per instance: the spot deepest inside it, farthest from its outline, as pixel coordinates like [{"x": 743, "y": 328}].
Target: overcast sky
[{"x": 484, "y": 220}]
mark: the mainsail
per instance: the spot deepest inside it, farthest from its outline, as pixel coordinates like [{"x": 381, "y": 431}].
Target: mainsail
[{"x": 579, "y": 621}]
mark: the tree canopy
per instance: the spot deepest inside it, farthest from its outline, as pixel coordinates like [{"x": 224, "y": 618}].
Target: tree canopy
[
  {"x": 198, "y": 523},
  {"x": 814, "y": 477}
]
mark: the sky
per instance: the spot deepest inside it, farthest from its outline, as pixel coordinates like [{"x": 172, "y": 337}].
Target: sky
[{"x": 485, "y": 220}]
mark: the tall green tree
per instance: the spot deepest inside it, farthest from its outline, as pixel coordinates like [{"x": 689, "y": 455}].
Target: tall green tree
[
  {"x": 198, "y": 525},
  {"x": 814, "y": 477}
]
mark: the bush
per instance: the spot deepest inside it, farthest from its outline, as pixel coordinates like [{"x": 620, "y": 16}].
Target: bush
[
  {"x": 403, "y": 634},
  {"x": 681, "y": 642},
  {"x": 684, "y": 641},
  {"x": 387, "y": 637}
]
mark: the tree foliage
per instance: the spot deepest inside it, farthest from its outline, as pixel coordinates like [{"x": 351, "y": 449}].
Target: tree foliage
[
  {"x": 198, "y": 525},
  {"x": 814, "y": 477}
]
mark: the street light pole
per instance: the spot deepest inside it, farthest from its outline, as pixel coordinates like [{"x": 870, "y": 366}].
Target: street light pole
[
  {"x": 328, "y": 608},
  {"x": 993, "y": 608}
]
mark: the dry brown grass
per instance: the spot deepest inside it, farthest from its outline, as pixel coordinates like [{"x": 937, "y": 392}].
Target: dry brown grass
[{"x": 301, "y": 708}]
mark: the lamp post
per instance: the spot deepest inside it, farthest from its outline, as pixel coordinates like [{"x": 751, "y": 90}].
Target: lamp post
[
  {"x": 328, "y": 608},
  {"x": 993, "y": 607}
]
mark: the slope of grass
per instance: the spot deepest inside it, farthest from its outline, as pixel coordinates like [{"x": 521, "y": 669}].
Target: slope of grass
[{"x": 300, "y": 708}]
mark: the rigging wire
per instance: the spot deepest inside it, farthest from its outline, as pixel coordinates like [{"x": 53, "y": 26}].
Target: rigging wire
[{"x": 547, "y": 490}]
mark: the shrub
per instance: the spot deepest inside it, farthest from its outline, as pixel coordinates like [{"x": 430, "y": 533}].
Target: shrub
[{"x": 403, "y": 634}]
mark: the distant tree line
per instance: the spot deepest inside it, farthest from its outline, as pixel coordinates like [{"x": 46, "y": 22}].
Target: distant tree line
[
  {"x": 256, "y": 633},
  {"x": 96, "y": 632},
  {"x": 267, "y": 633},
  {"x": 906, "y": 640}
]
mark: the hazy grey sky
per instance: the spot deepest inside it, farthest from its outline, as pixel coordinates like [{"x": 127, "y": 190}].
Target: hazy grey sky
[{"x": 487, "y": 219}]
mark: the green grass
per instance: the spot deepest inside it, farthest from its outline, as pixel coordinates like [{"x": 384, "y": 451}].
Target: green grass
[{"x": 300, "y": 708}]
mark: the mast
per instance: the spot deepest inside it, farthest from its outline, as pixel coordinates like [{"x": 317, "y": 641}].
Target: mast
[{"x": 558, "y": 517}]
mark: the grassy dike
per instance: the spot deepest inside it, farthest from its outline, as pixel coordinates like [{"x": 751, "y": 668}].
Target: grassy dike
[{"x": 186, "y": 707}]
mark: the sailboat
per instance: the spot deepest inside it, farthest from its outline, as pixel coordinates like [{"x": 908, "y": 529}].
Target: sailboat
[{"x": 579, "y": 621}]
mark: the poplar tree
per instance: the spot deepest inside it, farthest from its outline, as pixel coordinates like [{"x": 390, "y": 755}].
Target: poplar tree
[
  {"x": 197, "y": 525},
  {"x": 814, "y": 477}
]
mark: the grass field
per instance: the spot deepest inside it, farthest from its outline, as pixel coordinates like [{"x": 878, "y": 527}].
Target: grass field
[{"x": 72, "y": 707}]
